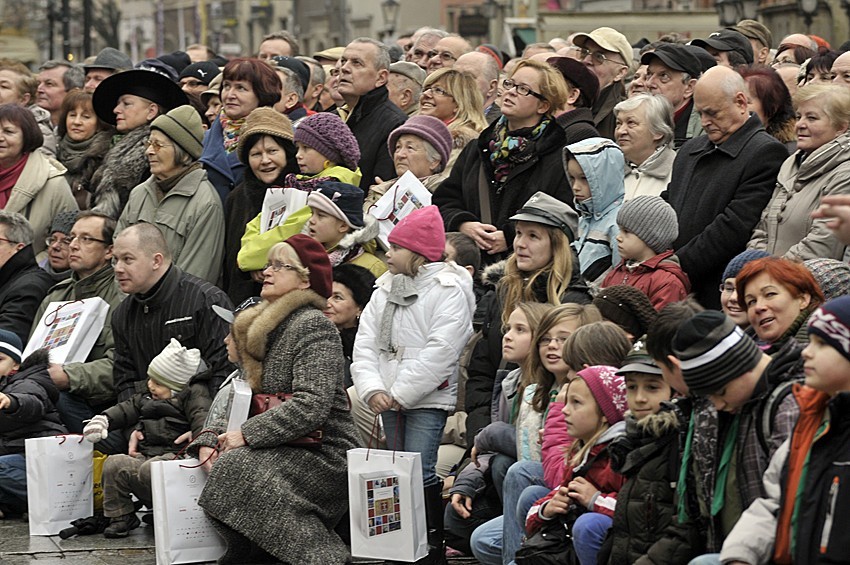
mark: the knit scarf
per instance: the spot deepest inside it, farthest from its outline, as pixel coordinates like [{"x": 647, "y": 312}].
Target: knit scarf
[
  {"x": 8, "y": 178},
  {"x": 230, "y": 131},
  {"x": 510, "y": 148},
  {"x": 342, "y": 255},
  {"x": 304, "y": 182},
  {"x": 402, "y": 293},
  {"x": 73, "y": 154}
]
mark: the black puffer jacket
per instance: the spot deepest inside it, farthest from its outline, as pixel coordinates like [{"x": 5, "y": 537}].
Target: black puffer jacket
[
  {"x": 32, "y": 412},
  {"x": 163, "y": 421},
  {"x": 648, "y": 456}
]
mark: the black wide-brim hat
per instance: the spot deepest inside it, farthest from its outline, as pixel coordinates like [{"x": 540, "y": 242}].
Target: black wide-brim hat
[{"x": 145, "y": 84}]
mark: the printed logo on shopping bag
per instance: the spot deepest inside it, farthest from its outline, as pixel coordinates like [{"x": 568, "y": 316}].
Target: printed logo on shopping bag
[{"x": 382, "y": 501}]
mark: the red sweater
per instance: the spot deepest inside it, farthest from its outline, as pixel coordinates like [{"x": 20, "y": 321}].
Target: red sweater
[{"x": 660, "y": 278}]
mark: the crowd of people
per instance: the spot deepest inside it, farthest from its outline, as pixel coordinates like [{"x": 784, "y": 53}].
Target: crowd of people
[{"x": 624, "y": 312}]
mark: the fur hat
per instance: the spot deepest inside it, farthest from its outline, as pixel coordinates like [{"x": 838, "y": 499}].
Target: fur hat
[
  {"x": 63, "y": 222},
  {"x": 340, "y": 200},
  {"x": 713, "y": 351},
  {"x": 327, "y": 133},
  {"x": 831, "y": 322},
  {"x": 175, "y": 366},
  {"x": 183, "y": 126},
  {"x": 652, "y": 220},
  {"x": 315, "y": 259},
  {"x": 738, "y": 261},
  {"x": 263, "y": 121},
  {"x": 608, "y": 390},
  {"x": 11, "y": 345},
  {"x": 429, "y": 128},
  {"x": 832, "y": 276},
  {"x": 359, "y": 280},
  {"x": 627, "y": 307},
  {"x": 422, "y": 232}
]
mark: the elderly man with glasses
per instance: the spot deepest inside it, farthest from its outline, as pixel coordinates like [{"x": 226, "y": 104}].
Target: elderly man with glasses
[
  {"x": 608, "y": 55},
  {"x": 447, "y": 51}
]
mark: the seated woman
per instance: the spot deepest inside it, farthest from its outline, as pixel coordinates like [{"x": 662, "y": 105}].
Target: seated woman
[
  {"x": 178, "y": 198},
  {"x": 421, "y": 145},
  {"x": 285, "y": 499},
  {"x": 819, "y": 168},
  {"x": 84, "y": 140}
]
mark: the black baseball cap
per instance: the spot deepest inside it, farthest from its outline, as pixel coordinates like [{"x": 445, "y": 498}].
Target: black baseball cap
[
  {"x": 728, "y": 40},
  {"x": 676, "y": 57}
]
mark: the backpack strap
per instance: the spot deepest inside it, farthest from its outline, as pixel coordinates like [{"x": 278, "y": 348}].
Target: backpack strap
[{"x": 767, "y": 412}]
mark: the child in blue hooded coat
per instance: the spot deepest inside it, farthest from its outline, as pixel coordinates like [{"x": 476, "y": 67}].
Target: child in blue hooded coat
[{"x": 594, "y": 168}]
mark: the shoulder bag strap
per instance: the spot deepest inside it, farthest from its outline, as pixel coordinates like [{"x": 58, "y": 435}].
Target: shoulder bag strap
[{"x": 484, "y": 196}]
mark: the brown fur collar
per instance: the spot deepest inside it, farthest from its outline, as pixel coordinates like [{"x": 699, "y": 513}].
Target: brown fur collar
[{"x": 252, "y": 327}]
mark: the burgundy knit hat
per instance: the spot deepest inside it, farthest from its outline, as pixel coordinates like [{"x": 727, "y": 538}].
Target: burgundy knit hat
[
  {"x": 314, "y": 257},
  {"x": 327, "y": 133},
  {"x": 429, "y": 128},
  {"x": 422, "y": 232},
  {"x": 608, "y": 389}
]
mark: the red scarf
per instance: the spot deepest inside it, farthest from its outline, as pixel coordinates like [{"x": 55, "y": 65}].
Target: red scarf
[{"x": 8, "y": 178}]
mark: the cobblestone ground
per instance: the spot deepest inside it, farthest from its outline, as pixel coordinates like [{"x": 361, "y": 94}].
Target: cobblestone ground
[{"x": 17, "y": 547}]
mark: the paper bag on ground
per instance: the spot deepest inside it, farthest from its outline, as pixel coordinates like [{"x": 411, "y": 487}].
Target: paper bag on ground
[
  {"x": 59, "y": 482},
  {"x": 183, "y": 532},
  {"x": 403, "y": 197},
  {"x": 386, "y": 505},
  {"x": 69, "y": 329}
]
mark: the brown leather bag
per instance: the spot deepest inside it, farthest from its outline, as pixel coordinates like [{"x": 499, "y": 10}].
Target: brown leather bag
[{"x": 263, "y": 402}]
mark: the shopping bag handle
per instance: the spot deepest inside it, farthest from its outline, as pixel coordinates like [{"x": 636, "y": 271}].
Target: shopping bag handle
[
  {"x": 375, "y": 429},
  {"x": 202, "y": 463},
  {"x": 55, "y": 312},
  {"x": 66, "y": 436}
]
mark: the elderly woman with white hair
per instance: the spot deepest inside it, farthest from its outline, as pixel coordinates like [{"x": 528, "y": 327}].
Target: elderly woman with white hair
[{"x": 644, "y": 132}]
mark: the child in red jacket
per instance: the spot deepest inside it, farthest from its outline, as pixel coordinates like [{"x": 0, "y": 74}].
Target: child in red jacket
[
  {"x": 596, "y": 401},
  {"x": 648, "y": 227}
]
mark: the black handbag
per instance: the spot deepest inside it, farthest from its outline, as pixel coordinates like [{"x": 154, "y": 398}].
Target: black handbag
[{"x": 550, "y": 545}]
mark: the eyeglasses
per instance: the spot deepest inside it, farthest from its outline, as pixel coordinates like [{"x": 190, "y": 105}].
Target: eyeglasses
[
  {"x": 445, "y": 56},
  {"x": 546, "y": 340},
  {"x": 521, "y": 89},
  {"x": 60, "y": 241},
  {"x": 85, "y": 240},
  {"x": 157, "y": 146},
  {"x": 278, "y": 265},
  {"x": 727, "y": 288},
  {"x": 9, "y": 241},
  {"x": 598, "y": 57},
  {"x": 438, "y": 91}
]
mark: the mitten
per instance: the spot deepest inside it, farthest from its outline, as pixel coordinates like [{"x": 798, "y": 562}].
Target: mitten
[{"x": 96, "y": 429}]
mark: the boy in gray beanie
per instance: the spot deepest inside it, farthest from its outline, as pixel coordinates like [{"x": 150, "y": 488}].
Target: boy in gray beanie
[{"x": 648, "y": 227}]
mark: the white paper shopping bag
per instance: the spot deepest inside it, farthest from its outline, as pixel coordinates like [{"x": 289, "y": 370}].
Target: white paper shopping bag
[
  {"x": 387, "y": 505},
  {"x": 183, "y": 532},
  {"x": 403, "y": 197},
  {"x": 69, "y": 329},
  {"x": 59, "y": 482},
  {"x": 279, "y": 204}
]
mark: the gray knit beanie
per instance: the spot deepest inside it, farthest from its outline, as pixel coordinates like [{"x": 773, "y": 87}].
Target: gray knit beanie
[
  {"x": 652, "y": 220},
  {"x": 183, "y": 126}
]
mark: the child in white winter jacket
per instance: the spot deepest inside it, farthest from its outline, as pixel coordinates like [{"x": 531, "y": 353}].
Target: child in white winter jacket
[{"x": 410, "y": 338}]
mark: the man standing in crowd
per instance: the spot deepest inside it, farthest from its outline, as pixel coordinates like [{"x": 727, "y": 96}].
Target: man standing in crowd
[
  {"x": 447, "y": 51},
  {"x": 405, "y": 86},
  {"x": 163, "y": 303},
  {"x": 86, "y": 388},
  {"x": 424, "y": 41},
  {"x": 721, "y": 181},
  {"x": 280, "y": 43},
  {"x": 485, "y": 70},
  {"x": 672, "y": 71},
  {"x": 107, "y": 63},
  {"x": 55, "y": 79},
  {"x": 363, "y": 75},
  {"x": 760, "y": 39},
  {"x": 728, "y": 47}
]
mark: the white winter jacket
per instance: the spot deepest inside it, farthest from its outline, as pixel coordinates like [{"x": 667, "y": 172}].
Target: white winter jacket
[{"x": 430, "y": 335}]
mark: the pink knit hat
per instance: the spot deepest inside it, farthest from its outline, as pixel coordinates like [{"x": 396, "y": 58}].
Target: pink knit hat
[
  {"x": 422, "y": 232},
  {"x": 608, "y": 389}
]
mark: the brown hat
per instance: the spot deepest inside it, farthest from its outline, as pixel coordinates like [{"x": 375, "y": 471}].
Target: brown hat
[
  {"x": 263, "y": 121},
  {"x": 752, "y": 29}
]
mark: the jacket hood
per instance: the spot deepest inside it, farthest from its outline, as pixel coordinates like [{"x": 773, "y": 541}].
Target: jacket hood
[
  {"x": 493, "y": 273},
  {"x": 34, "y": 368},
  {"x": 822, "y": 160},
  {"x": 35, "y": 359},
  {"x": 602, "y": 162},
  {"x": 362, "y": 235}
]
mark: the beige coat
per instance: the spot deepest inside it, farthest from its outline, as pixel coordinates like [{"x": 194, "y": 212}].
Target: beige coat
[
  {"x": 40, "y": 193},
  {"x": 786, "y": 227}
]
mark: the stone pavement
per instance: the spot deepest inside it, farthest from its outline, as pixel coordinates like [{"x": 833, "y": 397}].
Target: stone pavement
[{"x": 17, "y": 547}]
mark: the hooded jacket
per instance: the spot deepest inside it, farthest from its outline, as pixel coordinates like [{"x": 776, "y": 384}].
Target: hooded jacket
[
  {"x": 601, "y": 160},
  {"x": 32, "y": 412},
  {"x": 661, "y": 278},
  {"x": 652, "y": 176},
  {"x": 786, "y": 228}
]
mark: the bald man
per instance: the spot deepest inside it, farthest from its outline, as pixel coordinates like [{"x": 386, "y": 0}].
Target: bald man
[
  {"x": 721, "y": 181},
  {"x": 447, "y": 51},
  {"x": 841, "y": 70},
  {"x": 484, "y": 69}
]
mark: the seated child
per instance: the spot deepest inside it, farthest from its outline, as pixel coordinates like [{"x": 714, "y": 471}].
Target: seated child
[
  {"x": 177, "y": 402},
  {"x": 327, "y": 150},
  {"x": 648, "y": 227},
  {"x": 594, "y": 168},
  {"x": 28, "y": 400},
  {"x": 594, "y": 409}
]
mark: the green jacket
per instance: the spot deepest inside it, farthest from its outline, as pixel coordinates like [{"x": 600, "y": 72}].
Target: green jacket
[{"x": 91, "y": 380}]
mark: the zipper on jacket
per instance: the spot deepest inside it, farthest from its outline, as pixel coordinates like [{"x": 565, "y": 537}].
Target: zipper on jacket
[{"x": 830, "y": 513}]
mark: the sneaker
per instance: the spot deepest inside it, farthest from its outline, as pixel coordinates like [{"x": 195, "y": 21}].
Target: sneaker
[
  {"x": 120, "y": 527},
  {"x": 148, "y": 518}
]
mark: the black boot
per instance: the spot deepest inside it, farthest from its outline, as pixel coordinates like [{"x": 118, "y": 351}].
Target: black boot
[{"x": 434, "y": 518}]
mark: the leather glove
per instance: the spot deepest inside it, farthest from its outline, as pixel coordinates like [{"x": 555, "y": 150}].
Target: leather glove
[{"x": 97, "y": 429}]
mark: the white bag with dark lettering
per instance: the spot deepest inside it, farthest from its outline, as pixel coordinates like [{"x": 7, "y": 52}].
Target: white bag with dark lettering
[
  {"x": 59, "y": 482},
  {"x": 387, "y": 505},
  {"x": 183, "y": 532}
]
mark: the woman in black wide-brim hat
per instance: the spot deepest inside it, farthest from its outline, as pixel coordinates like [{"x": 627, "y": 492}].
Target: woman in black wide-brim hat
[{"x": 130, "y": 101}]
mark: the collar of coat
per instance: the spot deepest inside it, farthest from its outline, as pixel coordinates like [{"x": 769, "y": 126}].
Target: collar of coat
[
  {"x": 252, "y": 328},
  {"x": 736, "y": 142}
]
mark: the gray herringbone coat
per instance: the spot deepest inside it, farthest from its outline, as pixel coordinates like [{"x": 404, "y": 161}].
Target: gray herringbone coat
[{"x": 288, "y": 499}]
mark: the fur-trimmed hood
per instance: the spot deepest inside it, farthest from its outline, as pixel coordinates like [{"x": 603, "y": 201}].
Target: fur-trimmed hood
[
  {"x": 493, "y": 273},
  {"x": 361, "y": 236},
  {"x": 37, "y": 357},
  {"x": 252, "y": 328},
  {"x": 645, "y": 438}
]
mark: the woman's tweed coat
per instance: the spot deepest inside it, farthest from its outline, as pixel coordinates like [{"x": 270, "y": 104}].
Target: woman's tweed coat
[{"x": 288, "y": 499}]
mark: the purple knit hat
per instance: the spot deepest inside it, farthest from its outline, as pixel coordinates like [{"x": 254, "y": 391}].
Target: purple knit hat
[
  {"x": 608, "y": 389},
  {"x": 327, "y": 133},
  {"x": 429, "y": 128}
]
